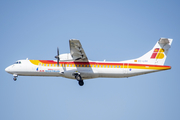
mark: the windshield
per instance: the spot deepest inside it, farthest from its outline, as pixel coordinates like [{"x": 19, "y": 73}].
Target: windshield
[{"x": 17, "y": 62}]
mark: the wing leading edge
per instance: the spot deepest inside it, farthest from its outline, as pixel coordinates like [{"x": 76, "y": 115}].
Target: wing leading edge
[{"x": 76, "y": 50}]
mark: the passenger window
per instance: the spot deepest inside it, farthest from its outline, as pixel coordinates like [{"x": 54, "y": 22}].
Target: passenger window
[
  {"x": 82, "y": 65},
  {"x": 39, "y": 64}
]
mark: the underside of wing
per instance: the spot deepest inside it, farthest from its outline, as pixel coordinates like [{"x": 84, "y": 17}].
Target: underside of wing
[{"x": 77, "y": 51}]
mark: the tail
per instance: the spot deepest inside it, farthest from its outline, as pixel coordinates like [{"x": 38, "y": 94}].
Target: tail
[{"x": 158, "y": 54}]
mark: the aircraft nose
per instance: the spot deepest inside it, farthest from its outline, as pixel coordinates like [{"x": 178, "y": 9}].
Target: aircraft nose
[{"x": 7, "y": 69}]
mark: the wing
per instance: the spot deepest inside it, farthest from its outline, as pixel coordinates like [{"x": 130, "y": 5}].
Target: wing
[{"x": 77, "y": 51}]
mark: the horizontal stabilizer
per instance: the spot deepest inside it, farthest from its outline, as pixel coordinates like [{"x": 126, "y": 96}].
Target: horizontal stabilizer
[{"x": 163, "y": 41}]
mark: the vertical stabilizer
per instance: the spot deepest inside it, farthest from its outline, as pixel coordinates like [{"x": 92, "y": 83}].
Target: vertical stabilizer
[{"x": 159, "y": 52}]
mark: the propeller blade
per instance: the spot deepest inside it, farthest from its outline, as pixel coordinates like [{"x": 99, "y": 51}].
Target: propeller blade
[
  {"x": 57, "y": 56},
  {"x": 58, "y": 51}
]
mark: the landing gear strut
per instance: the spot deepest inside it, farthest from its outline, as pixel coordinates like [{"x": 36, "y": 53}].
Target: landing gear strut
[{"x": 80, "y": 80}]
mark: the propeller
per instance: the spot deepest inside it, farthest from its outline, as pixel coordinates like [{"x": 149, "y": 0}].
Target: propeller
[{"x": 57, "y": 56}]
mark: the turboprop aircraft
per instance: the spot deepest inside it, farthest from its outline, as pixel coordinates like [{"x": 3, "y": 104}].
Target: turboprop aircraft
[{"x": 76, "y": 65}]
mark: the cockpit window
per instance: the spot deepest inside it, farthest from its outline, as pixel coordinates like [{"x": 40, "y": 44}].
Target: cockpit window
[{"x": 18, "y": 62}]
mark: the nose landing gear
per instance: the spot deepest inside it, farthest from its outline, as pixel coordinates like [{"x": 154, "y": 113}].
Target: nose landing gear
[{"x": 15, "y": 77}]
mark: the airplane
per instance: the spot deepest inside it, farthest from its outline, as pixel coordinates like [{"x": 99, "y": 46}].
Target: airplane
[{"x": 76, "y": 65}]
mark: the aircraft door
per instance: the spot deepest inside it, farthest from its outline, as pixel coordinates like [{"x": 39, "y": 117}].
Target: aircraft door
[
  {"x": 125, "y": 67},
  {"x": 61, "y": 68}
]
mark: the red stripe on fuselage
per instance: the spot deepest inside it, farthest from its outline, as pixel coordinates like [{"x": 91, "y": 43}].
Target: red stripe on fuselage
[{"x": 101, "y": 63}]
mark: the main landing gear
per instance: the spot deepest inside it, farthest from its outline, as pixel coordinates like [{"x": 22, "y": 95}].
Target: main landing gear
[{"x": 79, "y": 79}]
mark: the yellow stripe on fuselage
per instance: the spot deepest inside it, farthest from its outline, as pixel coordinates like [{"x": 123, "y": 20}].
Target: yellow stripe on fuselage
[{"x": 102, "y": 65}]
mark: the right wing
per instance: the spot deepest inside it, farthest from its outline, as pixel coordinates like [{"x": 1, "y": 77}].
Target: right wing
[{"x": 77, "y": 51}]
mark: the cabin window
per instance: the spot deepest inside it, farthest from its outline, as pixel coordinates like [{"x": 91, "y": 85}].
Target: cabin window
[
  {"x": 72, "y": 65},
  {"x": 79, "y": 65},
  {"x": 82, "y": 65},
  {"x": 99, "y": 65},
  {"x": 39, "y": 64},
  {"x": 106, "y": 66},
  {"x": 86, "y": 66},
  {"x": 116, "y": 66}
]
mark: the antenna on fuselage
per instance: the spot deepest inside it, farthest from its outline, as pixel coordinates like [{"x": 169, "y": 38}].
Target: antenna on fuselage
[{"x": 57, "y": 57}]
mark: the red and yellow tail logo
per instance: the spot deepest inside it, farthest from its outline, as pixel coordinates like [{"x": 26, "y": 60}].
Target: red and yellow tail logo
[{"x": 158, "y": 53}]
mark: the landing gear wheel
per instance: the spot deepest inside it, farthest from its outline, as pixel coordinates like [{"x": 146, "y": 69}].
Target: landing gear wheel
[
  {"x": 81, "y": 82},
  {"x": 14, "y": 78}
]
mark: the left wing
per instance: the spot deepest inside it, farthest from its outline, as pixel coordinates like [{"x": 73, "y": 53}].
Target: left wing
[{"x": 77, "y": 51}]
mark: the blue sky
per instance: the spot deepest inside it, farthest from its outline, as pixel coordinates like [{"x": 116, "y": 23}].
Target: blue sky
[{"x": 112, "y": 30}]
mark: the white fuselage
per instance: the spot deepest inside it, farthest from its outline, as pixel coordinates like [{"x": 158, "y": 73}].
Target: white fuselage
[{"x": 87, "y": 70}]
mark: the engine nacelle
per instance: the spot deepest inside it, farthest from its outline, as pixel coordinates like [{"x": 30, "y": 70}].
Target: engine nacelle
[{"x": 65, "y": 57}]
